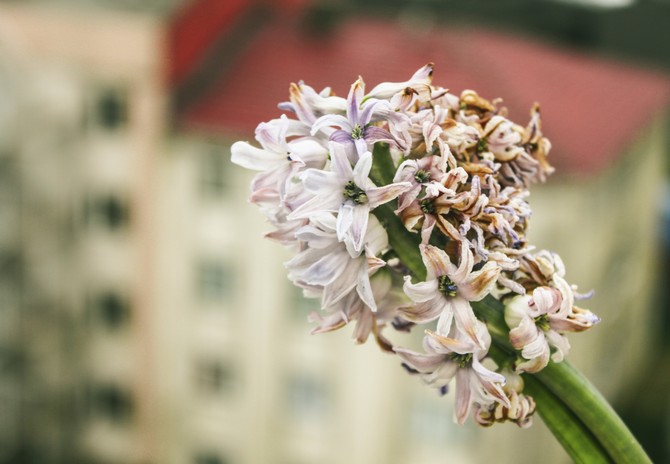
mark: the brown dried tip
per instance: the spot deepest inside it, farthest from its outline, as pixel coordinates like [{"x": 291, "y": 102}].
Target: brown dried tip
[{"x": 472, "y": 99}]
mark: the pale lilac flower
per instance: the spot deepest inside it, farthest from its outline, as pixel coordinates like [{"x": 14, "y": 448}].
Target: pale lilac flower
[
  {"x": 356, "y": 130},
  {"x": 309, "y": 105},
  {"x": 279, "y": 159},
  {"x": 348, "y": 192},
  {"x": 448, "y": 290},
  {"x": 325, "y": 265},
  {"x": 353, "y": 309},
  {"x": 419, "y": 80},
  {"x": 459, "y": 358}
]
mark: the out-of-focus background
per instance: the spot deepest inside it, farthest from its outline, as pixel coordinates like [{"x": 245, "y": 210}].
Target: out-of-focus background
[{"x": 143, "y": 319}]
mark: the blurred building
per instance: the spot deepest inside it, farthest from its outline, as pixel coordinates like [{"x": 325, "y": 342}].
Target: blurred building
[{"x": 142, "y": 317}]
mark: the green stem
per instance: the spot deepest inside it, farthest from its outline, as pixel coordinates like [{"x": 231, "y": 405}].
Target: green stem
[
  {"x": 576, "y": 439},
  {"x": 595, "y": 412}
]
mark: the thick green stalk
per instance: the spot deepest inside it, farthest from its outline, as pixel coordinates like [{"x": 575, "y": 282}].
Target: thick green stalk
[
  {"x": 594, "y": 411},
  {"x": 576, "y": 439}
]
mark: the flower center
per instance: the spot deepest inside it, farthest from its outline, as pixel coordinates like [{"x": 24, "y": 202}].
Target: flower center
[
  {"x": 357, "y": 132},
  {"x": 461, "y": 359},
  {"x": 354, "y": 193},
  {"x": 482, "y": 145},
  {"x": 543, "y": 322},
  {"x": 421, "y": 176},
  {"x": 446, "y": 286},
  {"x": 427, "y": 206}
]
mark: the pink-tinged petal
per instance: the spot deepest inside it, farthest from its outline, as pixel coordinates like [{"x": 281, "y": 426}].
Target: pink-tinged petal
[
  {"x": 323, "y": 271},
  {"x": 437, "y": 262},
  {"x": 316, "y": 181},
  {"x": 466, "y": 322},
  {"x": 354, "y": 100},
  {"x": 330, "y": 120},
  {"x": 479, "y": 283},
  {"x": 376, "y": 238},
  {"x": 362, "y": 170},
  {"x": 422, "y": 291},
  {"x": 361, "y": 146},
  {"x": 424, "y": 363},
  {"x": 364, "y": 326},
  {"x": 406, "y": 198},
  {"x": 491, "y": 382},
  {"x": 327, "y": 323},
  {"x": 380, "y": 195},
  {"x": 523, "y": 334},
  {"x": 344, "y": 221},
  {"x": 460, "y": 275},
  {"x": 339, "y": 163},
  {"x": 316, "y": 205},
  {"x": 309, "y": 151},
  {"x": 359, "y": 225},
  {"x": 342, "y": 137},
  {"x": 423, "y": 312},
  {"x": 344, "y": 284},
  {"x": 463, "y": 395},
  {"x": 388, "y": 89},
  {"x": 364, "y": 288},
  {"x": 427, "y": 228},
  {"x": 559, "y": 342},
  {"x": 250, "y": 157},
  {"x": 547, "y": 300},
  {"x": 374, "y": 134},
  {"x": 577, "y": 321},
  {"x": 536, "y": 348},
  {"x": 444, "y": 344},
  {"x": 535, "y": 364},
  {"x": 444, "y": 323}
]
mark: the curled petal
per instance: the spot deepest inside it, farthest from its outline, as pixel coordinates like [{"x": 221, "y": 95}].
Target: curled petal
[
  {"x": 437, "y": 261},
  {"x": 422, "y": 291},
  {"x": 424, "y": 363},
  {"x": 479, "y": 283}
]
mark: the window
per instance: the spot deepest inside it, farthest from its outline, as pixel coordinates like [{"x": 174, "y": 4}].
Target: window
[
  {"x": 110, "y": 310},
  {"x": 307, "y": 397},
  {"x": 212, "y": 171},
  {"x": 111, "y": 402},
  {"x": 213, "y": 377},
  {"x": 300, "y": 305},
  {"x": 209, "y": 457},
  {"x": 214, "y": 281},
  {"x": 109, "y": 211},
  {"x": 111, "y": 109}
]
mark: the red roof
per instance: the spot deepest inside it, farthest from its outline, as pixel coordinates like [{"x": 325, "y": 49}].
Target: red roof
[
  {"x": 193, "y": 30},
  {"x": 591, "y": 108}
]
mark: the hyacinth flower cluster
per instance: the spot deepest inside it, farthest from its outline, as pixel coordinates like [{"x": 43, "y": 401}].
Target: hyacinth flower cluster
[{"x": 406, "y": 206}]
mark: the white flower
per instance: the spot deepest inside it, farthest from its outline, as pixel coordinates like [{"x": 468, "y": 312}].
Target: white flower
[
  {"x": 448, "y": 358},
  {"x": 347, "y": 192},
  {"x": 448, "y": 290},
  {"x": 537, "y": 324},
  {"x": 278, "y": 160},
  {"x": 325, "y": 265}
]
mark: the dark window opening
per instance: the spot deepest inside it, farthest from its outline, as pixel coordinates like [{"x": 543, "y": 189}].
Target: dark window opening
[
  {"x": 109, "y": 211},
  {"x": 213, "y": 377},
  {"x": 209, "y": 458},
  {"x": 110, "y": 310},
  {"x": 111, "y": 403},
  {"x": 212, "y": 172},
  {"x": 111, "y": 109},
  {"x": 214, "y": 281}
]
